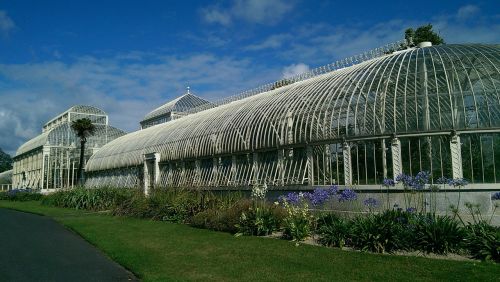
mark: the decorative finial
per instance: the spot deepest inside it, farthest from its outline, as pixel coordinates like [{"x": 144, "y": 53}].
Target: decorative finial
[{"x": 187, "y": 88}]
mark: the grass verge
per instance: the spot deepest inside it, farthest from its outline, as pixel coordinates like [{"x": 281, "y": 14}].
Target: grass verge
[{"x": 160, "y": 251}]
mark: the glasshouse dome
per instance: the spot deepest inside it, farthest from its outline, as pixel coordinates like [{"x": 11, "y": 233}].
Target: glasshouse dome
[
  {"x": 173, "y": 110},
  {"x": 50, "y": 159},
  {"x": 435, "y": 108}
]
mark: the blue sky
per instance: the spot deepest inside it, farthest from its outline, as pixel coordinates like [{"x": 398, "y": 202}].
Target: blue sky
[{"x": 128, "y": 57}]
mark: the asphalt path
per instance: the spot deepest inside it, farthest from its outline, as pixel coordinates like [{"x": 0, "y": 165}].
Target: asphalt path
[{"x": 36, "y": 248}]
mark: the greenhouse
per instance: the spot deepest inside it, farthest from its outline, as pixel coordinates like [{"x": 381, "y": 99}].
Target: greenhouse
[
  {"x": 355, "y": 122},
  {"x": 173, "y": 110},
  {"x": 51, "y": 159}
]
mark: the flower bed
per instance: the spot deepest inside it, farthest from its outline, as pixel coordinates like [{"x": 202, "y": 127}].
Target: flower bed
[{"x": 410, "y": 226}]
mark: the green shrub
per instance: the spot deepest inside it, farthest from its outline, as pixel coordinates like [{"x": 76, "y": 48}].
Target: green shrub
[
  {"x": 225, "y": 218},
  {"x": 208, "y": 219},
  {"x": 260, "y": 219},
  {"x": 385, "y": 232},
  {"x": 176, "y": 205},
  {"x": 298, "y": 222},
  {"x": 158, "y": 206},
  {"x": 437, "y": 234},
  {"x": 20, "y": 195},
  {"x": 482, "y": 241},
  {"x": 173, "y": 205},
  {"x": 135, "y": 206},
  {"x": 334, "y": 231},
  {"x": 88, "y": 199},
  {"x": 394, "y": 230}
]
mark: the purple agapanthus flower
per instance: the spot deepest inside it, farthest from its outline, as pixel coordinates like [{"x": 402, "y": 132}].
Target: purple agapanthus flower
[
  {"x": 348, "y": 195},
  {"x": 496, "y": 196},
  {"x": 388, "y": 182},
  {"x": 292, "y": 198},
  {"x": 407, "y": 180},
  {"x": 318, "y": 196},
  {"x": 411, "y": 210},
  {"x": 423, "y": 176},
  {"x": 420, "y": 180},
  {"x": 371, "y": 202},
  {"x": 333, "y": 190},
  {"x": 458, "y": 182},
  {"x": 442, "y": 180}
]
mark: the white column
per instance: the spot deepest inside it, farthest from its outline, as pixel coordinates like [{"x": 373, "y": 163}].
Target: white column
[
  {"x": 215, "y": 171},
  {"x": 49, "y": 169},
  {"x": 289, "y": 137},
  {"x": 146, "y": 173},
  {"x": 197, "y": 164},
  {"x": 233, "y": 169},
  {"x": 346, "y": 153},
  {"x": 72, "y": 174},
  {"x": 54, "y": 168},
  {"x": 61, "y": 169},
  {"x": 45, "y": 154},
  {"x": 255, "y": 168},
  {"x": 281, "y": 167},
  {"x": 397, "y": 163},
  {"x": 157, "y": 169},
  {"x": 310, "y": 165},
  {"x": 384, "y": 158},
  {"x": 182, "y": 180},
  {"x": 151, "y": 171},
  {"x": 456, "y": 156},
  {"x": 327, "y": 165},
  {"x": 68, "y": 166}
]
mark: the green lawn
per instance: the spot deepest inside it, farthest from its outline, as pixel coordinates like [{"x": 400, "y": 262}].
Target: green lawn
[{"x": 159, "y": 251}]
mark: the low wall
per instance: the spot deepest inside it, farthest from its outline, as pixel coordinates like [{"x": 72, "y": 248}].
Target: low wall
[{"x": 440, "y": 201}]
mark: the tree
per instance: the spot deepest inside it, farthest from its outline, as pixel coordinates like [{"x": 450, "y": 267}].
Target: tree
[
  {"x": 421, "y": 34},
  {"x": 83, "y": 128},
  {"x": 5, "y": 161}
]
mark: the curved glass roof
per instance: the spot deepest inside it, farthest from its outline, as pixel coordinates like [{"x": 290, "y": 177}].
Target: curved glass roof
[
  {"x": 83, "y": 109},
  {"x": 34, "y": 143},
  {"x": 438, "y": 88},
  {"x": 6, "y": 176},
  {"x": 63, "y": 135},
  {"x": 181, "y": 104}
]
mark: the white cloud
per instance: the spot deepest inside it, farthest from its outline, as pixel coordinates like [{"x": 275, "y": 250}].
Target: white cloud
[
  {"x": 272, "y": 42},
  {"x": 294, "y": 69},
  {"x": 57, "y": 54},
  {"x": 468, "y": 25},
  {"x": 262, "y": 11},
  {"x": 6, "y": 23},
  {"x": 467, "y": 11},
  {"x": 207, "y": 39},
  {"x": 216, "y": 15},
  {"x": 321, "y": 43},
  {"x": 253, "y": 11},
  {"x": 31, "y": 94}
]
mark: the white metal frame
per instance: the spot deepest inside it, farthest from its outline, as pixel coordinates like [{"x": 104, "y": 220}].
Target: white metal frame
[{"x": 419, "y": 95}]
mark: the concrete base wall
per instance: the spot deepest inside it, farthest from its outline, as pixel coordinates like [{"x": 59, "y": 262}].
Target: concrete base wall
[{"x": 439, "y": 202}]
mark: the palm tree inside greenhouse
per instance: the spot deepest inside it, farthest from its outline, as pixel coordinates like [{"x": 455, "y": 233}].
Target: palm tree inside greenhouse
[{"x": 83, "y": 128}]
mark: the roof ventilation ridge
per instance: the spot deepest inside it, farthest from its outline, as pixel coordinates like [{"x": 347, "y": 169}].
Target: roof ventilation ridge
[{"x": 340, "y": 64}]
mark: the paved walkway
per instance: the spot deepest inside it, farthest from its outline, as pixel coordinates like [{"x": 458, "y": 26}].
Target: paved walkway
[{"x": 36, "y": 248}]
